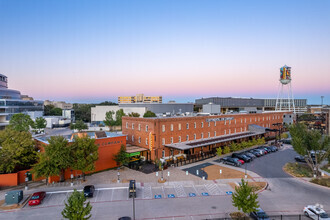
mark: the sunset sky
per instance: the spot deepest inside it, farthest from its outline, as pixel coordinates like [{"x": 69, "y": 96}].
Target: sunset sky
[{"x": 92, "y": 51}]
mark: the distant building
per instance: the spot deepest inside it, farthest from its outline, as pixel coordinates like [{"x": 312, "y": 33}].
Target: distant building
[
  {"x": 59, "y": 104},
  {"x": 12, "y": 103},
  {"x": 140, "y": 98},
  {"x": 26, "y": 97},
  {"x": 249, "y": 105},
  {"x": 161, "y": 109},
  {"x": 69, "y": 114}
]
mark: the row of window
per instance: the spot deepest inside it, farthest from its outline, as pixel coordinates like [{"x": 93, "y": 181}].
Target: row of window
[
  {"x": 139, "y": 140},
  {"x": 139, "y": 127}
]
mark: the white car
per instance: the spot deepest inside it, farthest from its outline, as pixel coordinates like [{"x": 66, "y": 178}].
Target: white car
[{"x": 316, "y": 212}]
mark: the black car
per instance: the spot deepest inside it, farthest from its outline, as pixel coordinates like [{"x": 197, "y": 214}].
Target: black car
[
  {"x": 273, "y": 148},
  {"x": 268, "y": 149},
  {"x": 89, "y": 191},
  {"x": 125, "y": 218},
  {"x": 231, "y": 161},
  {"x": 243, "y": 157},
  {"x": 259, "y": 215},
  {"x": 300, "y": 158}
]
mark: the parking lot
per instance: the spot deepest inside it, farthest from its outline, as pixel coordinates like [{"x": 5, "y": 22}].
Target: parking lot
[{"x": 145, "y": 192}]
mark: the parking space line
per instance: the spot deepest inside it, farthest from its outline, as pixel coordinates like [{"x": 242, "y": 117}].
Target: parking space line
[
  {"x": 195, "y": 190},
  {"x": 163, "y": 192},
  {"x": 112, "y": 192},
  {"x": 97, "y": 193}
]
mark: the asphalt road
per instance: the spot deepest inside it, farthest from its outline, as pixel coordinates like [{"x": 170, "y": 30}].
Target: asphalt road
[{"x": 288, "y": 195}]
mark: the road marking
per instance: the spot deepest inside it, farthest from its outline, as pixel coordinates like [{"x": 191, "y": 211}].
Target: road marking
[
  {"x": 97, "y": 193},
  {"x": 112, "y": 194},
  {"x": 163, "y": 191}
]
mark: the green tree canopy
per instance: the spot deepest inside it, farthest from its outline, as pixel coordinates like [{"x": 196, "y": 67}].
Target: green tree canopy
[
  {"x": 84, "y": 154},
  {"x": 119, "y": 114},
  {"x": 149, "y": 114},
  {"x": 76, "y": 208},
  {"x": 45, "y": 167},
  {"x": 219, "y": 151},
  {"x": 121, "y": 157},
  {"x": 40, "y": 123},
  {"x": 20, "y": 122},
  {"x": 234, "y": 147},
  {"x": 83, "y": 111},
  {"x": 57, "y": 156},
  {"x": 308, "y": 142},
  {"x": 109, "y": 119},
  {"x": 226, "y": 150},
  {"x": 134, "y": 114},
  {"x": 17, "y": 151},
  {"x": 244, "y": 198},
  {"x": 79, "y": 125}
]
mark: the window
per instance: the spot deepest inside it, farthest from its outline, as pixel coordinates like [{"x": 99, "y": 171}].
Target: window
[
  {"x": 126, "y": 124},
  {"x": 132, "y": 125},
  {"x": 215, "y": 123},
  {"x": 250, "y": 119},
  {"x": 255, "y": 119},
  {"x": 179, "y": 139},
  {"x": 171, "y": 127},
  {"x": 241, "y": 129},
  {"x": 235, "y": 121},
  {"x": 132, "y": 138},
  {"x": 146, "y": 141},
  {"x": 147, "y": 128},
  {"x": 209, "y": 124},
  {"x": 163, "y": 141},
  {"x": 179, "y": 127},
  {"x": 209, "y": 134},
  {"x": 235, "y": 130},
  {"x": 202, "y": 125},
  {"x": 163, "y": 153},
  {"x": 229, "y": 121},
  {"x": 229, "y": 131},
  {"x": 194, "y": 136},
  {"x": 171, "y": 140},
  {"x": 139, "y": 127},
  {"x": 163, "y": 128},
  {"x": 245, "y": 128},
  {"x": 225, "y": 122},
  {"x": 187, "y": 137},
  {"x": 202, "y": 136},
  {"x": 187, "y": 125},
  {"x": 215, "y": 134},
  {"x": 194, "y": 124},
  {"x": 139, "y": 140},
  {"x": 245, "y": 121},
  {"x": 225, "y": 132},
  {"x": 241, "y": 120},
  {"x": 263, "y": 118}
]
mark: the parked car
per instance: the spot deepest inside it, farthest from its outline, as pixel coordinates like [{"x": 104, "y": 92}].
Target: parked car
[
  {"x": 241, "y": 161},
  {"x": 241, "y": 157},
  {"x": 231, "y": 161},
  {"x": 250, "y": 155},
  {"x": 300, "y": 158},
  {"x": 261, "y": 151},
  {"x": 267, "y": 149},
  {"x": 316, "y": 212},
  {"x": 259, "y": 215},
  {"x": 37, "y": 198},
  {"x": 89, "y": 191},
  {"x": 125, "y": 218},
  {"x": 255, "y": 152},
  {"x": 273, "y": 148}
]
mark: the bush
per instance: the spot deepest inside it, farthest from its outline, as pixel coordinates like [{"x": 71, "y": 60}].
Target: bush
[
  {"x": 322, "y": 181},
  {"x": 298, "y": 169},
  {"x": 226, "y": 150}
]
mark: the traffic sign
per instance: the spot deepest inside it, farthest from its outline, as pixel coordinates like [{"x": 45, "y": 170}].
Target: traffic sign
[
  {"x": 158, "y": 196},
  {"x": 205, "y": 194}
]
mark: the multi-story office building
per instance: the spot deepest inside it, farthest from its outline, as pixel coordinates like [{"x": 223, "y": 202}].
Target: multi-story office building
[
  {"x": 140, "y": 98},
  {"x": 188, "y": 135},
  {"x": 250, "y": 105},
  {"x": 11, "y": 103},
  {"x": 59, "y": 104}
]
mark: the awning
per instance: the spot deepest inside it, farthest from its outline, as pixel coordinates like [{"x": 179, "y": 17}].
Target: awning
[
  {"x": 134, "y": 149},
  {"x": 133, "y": 154}
]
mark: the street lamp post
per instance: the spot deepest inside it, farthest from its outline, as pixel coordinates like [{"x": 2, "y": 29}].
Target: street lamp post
[
  {"x": 134, "y": 188},
  {"x": 245, "y": 171},
  {"x": 71, "y": 178},
  {"x": 118, "y": 175},
  {"x": 26, "y": 181}
]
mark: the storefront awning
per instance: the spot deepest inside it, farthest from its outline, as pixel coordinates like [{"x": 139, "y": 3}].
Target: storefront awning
[{"x": 134, "y": 149}]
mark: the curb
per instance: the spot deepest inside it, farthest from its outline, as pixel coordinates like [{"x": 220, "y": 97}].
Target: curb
[{"x": 303, "y": 180}]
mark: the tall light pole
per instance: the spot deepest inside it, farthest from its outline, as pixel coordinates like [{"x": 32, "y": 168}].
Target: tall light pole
[{"x": 134, "y": 190}]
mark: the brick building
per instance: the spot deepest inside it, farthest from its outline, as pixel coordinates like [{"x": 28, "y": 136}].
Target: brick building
[{"x": 189, "y": 135}]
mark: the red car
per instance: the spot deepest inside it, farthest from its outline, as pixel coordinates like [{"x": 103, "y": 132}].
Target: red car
[
  {"x": 37, "y": 198},
  {"x": 241, "y": 161}
]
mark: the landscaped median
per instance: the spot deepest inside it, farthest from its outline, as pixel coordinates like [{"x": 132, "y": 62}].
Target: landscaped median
[
  {"x": 213, "y": 173},
  {"x": 303, "y": 171}
]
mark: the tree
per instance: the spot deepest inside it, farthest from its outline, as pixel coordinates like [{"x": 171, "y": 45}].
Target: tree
[
  {"x": 17, "y": 151},
  {"x": 76, "y": 208},
  {"x": 107, "y": 103},
  {"x": 83, "y": 111},
  {"x": 244, "y": 145},
  {"x": 57, "y": 157},
  {"x": 109, "y": 121},
  {"x": 47, "y": 109},
  {"x": 219, "y": 151},
  {"x": 134, "y": 114},
  {"x": 20, "y": 122},
  {"x": 40, "y": 123},
  {"x": 121, "y": 157},
  {"x": 79, "y": 125},
  {"x": 119, "y": 114},
  {"x": 311, "y": 144},
  {"x": 244, "y": 198},
  {"x": 226, "y": 150},
  {"x": 234, "y": 147},
  {"x": 56, "y": 111},
  {"x": 261, "y": 141},
  {"x": 84, "y": 154},
  {"x": 149, "y": 114}
]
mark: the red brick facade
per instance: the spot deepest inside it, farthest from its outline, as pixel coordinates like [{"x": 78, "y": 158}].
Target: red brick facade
[{"x": 170, "y": 130}]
